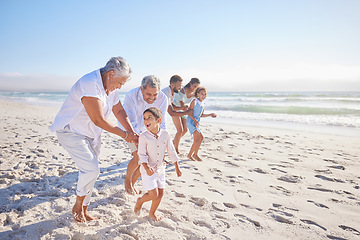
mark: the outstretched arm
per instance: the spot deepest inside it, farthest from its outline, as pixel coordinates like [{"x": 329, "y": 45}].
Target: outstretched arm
[{"x": 172, "y": 111}]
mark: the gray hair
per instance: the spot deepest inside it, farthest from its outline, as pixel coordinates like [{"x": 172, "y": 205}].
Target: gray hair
[
  {"x": 151, "y": 81},
  {"x": 120, "y": 67}
]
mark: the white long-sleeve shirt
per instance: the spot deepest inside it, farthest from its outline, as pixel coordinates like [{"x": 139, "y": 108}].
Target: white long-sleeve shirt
[
  {"x": 135, "y": 105},
  {"x": 151, "y": 149}
]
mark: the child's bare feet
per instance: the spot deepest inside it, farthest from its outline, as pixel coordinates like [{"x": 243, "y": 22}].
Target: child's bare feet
[
  {"x": 190, "y": 157},
  {"x": 153, "y": 216},
  {"x": 137, "y": 207},
  {"x": 197, "y": 158}
]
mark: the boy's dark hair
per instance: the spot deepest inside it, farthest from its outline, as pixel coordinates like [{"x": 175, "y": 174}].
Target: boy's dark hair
[
  {"x": 192, "y": 81},
  {"x": 175, "y": 78},
  {"x": 198, "y": 89},
  {"x": 154, "y": 111}
]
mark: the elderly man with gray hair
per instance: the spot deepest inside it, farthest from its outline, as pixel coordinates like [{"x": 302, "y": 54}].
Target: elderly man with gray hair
[
  {"x": 83, "y": 117},
  {"x": 136, "y": 102}
]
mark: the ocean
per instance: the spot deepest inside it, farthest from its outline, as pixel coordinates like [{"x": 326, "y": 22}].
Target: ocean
[{"x": 333, "y": 112}]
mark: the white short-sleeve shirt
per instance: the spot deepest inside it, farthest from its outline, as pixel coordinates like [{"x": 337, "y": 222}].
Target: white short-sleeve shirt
[
  {"x": 135, "y": 105},
  {"x": 170, "y": 96},
  {"x": 73, "y": 112}
]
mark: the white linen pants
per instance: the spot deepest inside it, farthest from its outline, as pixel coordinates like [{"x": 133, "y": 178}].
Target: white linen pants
[{"x": 84, "y": 151}]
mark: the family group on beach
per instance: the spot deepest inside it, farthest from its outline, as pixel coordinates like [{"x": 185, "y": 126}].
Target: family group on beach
[{"x": 141, "y": 123}]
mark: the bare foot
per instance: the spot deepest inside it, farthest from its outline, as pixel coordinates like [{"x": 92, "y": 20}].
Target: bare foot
[
  {"x": 78, "y": 214},
  {"x": 137, "y": 207},
  {"x": 129, "y": 188},
  {"x": 197, "y": 158},
  {"x": 190, "y": 157},
  {"x": 153, "y": 216},
  {"x": 87, "y": 216}
]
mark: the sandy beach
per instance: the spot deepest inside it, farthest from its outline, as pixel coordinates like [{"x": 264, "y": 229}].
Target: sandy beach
[{"x": 254, "y": 183}]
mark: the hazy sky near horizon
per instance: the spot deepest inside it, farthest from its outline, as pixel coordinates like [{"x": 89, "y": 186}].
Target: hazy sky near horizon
[{"x": 276, "y": 45}]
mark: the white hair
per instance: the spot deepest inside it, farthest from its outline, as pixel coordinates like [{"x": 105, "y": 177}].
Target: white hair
[
  {"x": 120, "y": 67},
  {"x": 151, "y": 81}
]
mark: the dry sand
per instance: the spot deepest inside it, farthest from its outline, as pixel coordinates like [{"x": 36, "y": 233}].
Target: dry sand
[{"x": 254, "y": 183}]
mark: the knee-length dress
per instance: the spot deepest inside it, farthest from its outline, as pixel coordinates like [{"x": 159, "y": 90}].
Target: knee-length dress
[{"x": 198, "y": 110}]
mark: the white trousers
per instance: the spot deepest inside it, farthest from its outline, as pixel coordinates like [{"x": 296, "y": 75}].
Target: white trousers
[{"x": 85, "y": 155}]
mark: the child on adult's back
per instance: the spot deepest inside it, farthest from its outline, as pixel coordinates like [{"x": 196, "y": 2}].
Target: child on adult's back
[
  {"x": 153, "y": 144},
  {"x": 193, "y": 122}
]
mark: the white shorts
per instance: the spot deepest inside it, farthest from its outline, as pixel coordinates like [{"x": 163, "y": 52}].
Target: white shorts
[{"x": 157, "y": 180}]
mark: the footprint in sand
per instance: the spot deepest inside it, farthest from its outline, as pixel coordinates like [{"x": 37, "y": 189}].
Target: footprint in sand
[
  {"x": 245, "y": 192},
  {"x": 329, "y": 179},
  {"x": 243, "y": 217},
  {"x": 318, "y": 204},
  {"x": 350, "y": 229},
  {"x": 312, "y": 223},
  {"x": 198, "y": 201},
  {"x": 335, "y": 238},
  {"x": 279, "y": 170},
  {"x": 218, "y": 207},
  {"x": 337, "y": 167},
  {"x": 281, "y": 219},
  {"x": 216, "y": 191},
  {"x": 250, "y": 207},
  {"x": 259, "y": 170},
  {"x": 179, "y": 195},
  {"x": 320, "y": 189},
  {"x": 330, "y": 160},
  {"x": 290, "y": 179},
  {"x": 229, "y": 205}
]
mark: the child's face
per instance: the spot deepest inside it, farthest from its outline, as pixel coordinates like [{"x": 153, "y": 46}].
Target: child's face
[
  {"x": 151, "y": 123},
  {"x": 202, "y": 95}
]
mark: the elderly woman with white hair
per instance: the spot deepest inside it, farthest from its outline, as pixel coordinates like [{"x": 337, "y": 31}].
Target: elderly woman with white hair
[{"x": 83, "y": 117}]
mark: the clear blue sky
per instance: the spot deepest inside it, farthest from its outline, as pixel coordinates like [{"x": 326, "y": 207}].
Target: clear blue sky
[{"x": 229, "y": 45}]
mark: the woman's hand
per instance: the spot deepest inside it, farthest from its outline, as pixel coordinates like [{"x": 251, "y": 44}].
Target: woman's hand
[
  {"x": 131, "y": 137},
  {"x": 213, "y": 115},
  {"x": 197, "y": 124}
]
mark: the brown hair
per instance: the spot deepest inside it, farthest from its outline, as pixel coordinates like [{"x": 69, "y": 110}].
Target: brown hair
[
  {"x": 155, "y": 112},
  {"x": 175, "y": 78},
  {"x": 192, "y": 81},
  {"x": 198, "y": 89}
]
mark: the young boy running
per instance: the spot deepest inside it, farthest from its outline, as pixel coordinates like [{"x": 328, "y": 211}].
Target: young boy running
[{"x": 153, "y": 144}]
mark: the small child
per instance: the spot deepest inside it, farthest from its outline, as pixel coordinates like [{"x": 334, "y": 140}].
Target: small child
[
  {"x": 192, "y": 122},
  {"x": 151, "y": 150}
]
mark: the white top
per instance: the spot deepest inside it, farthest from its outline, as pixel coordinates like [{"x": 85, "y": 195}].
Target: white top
[
  {"x": 135, "y": 105},
  {"x": 170, "y": 96},
  {"x": 181, "y": 97},
  {"x": 151, "y": 149},
  {"x": 73, "y": 112}
]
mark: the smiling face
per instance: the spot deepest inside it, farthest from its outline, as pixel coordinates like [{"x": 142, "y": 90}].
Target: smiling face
[
  {"x": 116, "y": 83},
  {"x": 193, "y": 87},
  {"x": 151, "y": 123},
  {"x": 176, "y": 86},
  {"x": 150, "y": 94},
  {"x": 201, "y": 95}
]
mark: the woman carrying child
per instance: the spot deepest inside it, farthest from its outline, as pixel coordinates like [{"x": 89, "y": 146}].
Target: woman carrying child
[{"x": 182, "y": 99}]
